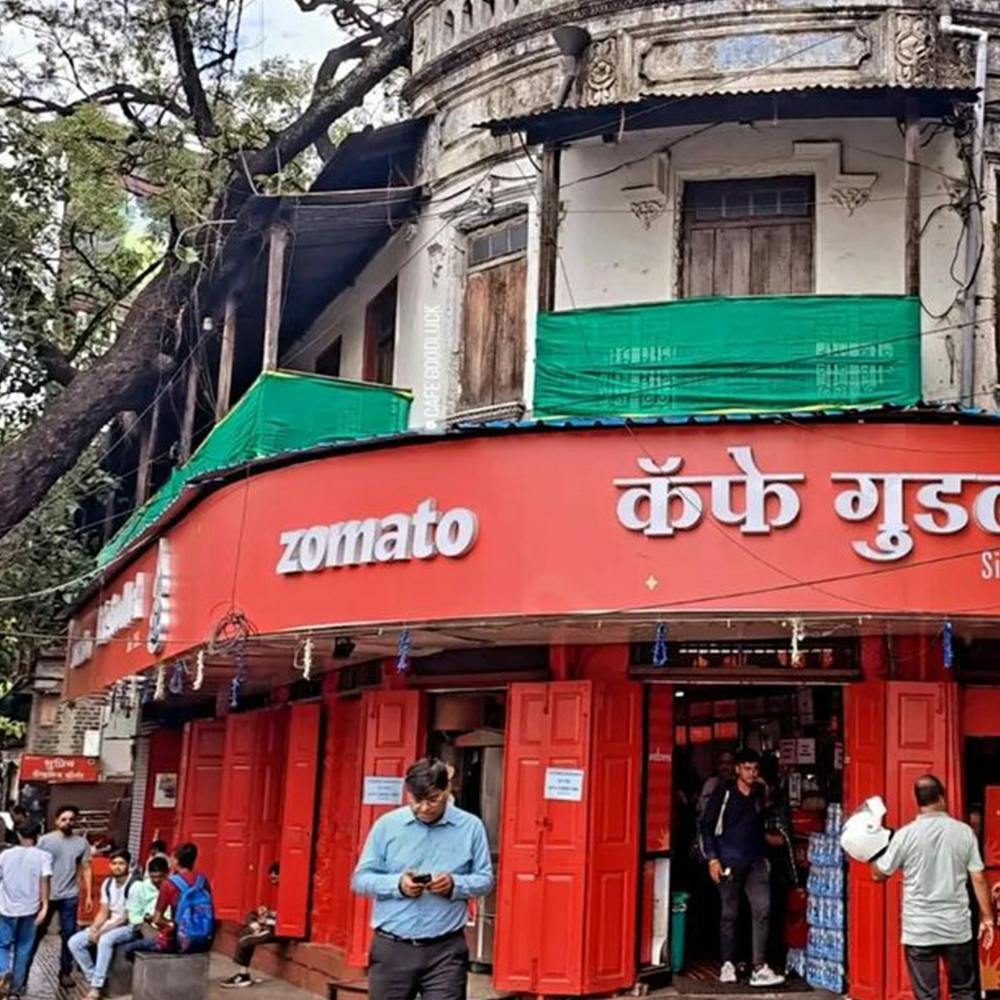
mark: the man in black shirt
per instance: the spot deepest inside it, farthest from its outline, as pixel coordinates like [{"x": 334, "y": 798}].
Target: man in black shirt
[{"x": 733, "y": 841}]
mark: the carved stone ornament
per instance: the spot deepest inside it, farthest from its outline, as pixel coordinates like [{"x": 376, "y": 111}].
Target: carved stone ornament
[
  {"x": 851, "y": 198},
  {"x": 914, "y": 45},
  {"x": 436, "y": 259},
  {"x": 600, "y": 84},
  {"x": 648, "y": 210}
]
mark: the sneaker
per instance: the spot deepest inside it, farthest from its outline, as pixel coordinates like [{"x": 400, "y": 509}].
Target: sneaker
[
  {"x": 237, "y": 982},
  {"x": 728, "y": 973},
  {"x": 765, "y": 976}
]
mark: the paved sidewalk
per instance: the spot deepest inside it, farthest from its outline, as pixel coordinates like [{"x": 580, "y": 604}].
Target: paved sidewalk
[{"x": 44, "y": 981}]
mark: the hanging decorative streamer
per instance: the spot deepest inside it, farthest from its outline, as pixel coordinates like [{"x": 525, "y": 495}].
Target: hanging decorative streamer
[
  {"x": 113, "y": 704},
  {"x": 135, "y": 691},
  {"x": 948, "y": 645},
  {"x": 199, "y": 670},
  {"x": 161, "y": 683},
  {"x": 661, "y": 654},
  {"x": 124, "y": 699},
  {"x": 303, "y": 659},
  {"x": 146, "y": 686},
  {"x": 236, "y": 684},
  {"x": 178, "y": 673},
  {"x": 798, "y": 634},
  {"x": 403, "y": 648}
]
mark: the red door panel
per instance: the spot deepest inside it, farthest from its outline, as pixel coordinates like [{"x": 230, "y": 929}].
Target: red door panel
[
  {"x": 865, "y": 761},
  {"x": 394, "y": 738},
  {"x": 340, "y": 805},
  {"x": 297, "y": 820},
  {"x": 266, "y": 829},
  {"x": 540, "y": 907},
  {"x": 520, "y": 888},
  {"x": 916, "y": 743},
  {"x": 201, "y": 789},
  {"x": 612, "y": 862},
  {"x": 165, "y": 749}
]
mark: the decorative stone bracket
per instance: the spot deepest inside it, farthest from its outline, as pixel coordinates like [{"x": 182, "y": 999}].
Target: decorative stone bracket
[{"x": 849, "y": 191}]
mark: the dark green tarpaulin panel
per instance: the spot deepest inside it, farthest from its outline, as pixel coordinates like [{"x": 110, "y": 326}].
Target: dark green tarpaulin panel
[
  {"x": 282, "y": 412},
  {"x": 749, "y": 355}
]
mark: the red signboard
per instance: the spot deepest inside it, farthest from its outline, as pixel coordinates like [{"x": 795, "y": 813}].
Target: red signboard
[
  {"x": 58, "y": 770},
  {"x": 780, "y": 519}
]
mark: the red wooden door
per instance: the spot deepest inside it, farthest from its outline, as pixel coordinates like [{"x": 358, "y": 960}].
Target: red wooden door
[
  {"x": 865, "y": 759},
  {"x": 298, "y": 819},
  {"x": 540, "y": 908},
  {"x": 340, "y": 804},
  {"x": 235, "y": 815},
  {"x": 393, "y": 739},
  {"x": 269, "y": 801},
  {"x": 201, "y": 789},
  {"x": 916, "y": 744},
  {"x": 658, "y": 801},
  {"x": 159, "y": 822},
  {"x": 612, "y": 865}
]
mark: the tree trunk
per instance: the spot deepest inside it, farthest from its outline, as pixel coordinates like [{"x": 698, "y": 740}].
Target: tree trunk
[{"x": 123, "y": 379}]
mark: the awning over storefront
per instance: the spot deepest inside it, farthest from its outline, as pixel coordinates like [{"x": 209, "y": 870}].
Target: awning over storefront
[{"x": 715, "y": 519}]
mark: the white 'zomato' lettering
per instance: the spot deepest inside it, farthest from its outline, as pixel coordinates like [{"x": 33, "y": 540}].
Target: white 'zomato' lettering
[{"x": 395, "y": 538}]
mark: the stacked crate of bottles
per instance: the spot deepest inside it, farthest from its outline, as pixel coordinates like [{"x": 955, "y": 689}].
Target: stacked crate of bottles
[{"x": 826, "y": 947}]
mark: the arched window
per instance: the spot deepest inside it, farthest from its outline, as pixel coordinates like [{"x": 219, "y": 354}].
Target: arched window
[
  {"x": 467, "y": 16},
  {"x": 449, "y": 27},
  {"x": 488, "y": 10}
]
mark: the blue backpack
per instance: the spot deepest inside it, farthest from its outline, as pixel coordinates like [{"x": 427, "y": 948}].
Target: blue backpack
[{"x": 194, "y": 915}]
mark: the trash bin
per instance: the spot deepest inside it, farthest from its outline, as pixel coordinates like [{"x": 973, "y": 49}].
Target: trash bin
[{"x": 678, "y": 927}]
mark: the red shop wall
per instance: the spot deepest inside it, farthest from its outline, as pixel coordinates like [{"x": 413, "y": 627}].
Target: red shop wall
[{"x": 164, "y": 758}]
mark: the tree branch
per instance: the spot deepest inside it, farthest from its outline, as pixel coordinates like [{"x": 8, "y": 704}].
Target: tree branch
[
  {"x": 114, "y": 94},
  {"x": 187, "y": 65},
  {"x": 333, "y": 100}
]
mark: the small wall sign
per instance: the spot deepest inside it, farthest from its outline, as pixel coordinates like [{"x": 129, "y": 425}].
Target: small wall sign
[
  {"x": 380, "y": 791},
  {"x": 563, "y": 784}
]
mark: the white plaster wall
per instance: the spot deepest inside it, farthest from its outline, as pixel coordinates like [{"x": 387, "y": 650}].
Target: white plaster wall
[{"x": 609, "y": 256}]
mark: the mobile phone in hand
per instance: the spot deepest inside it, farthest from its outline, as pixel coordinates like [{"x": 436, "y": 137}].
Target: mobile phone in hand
[{"x": 421, "y": 879}]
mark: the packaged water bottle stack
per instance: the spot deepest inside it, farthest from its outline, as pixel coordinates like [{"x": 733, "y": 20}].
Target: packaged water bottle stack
[{"x": 825, "y": 949}]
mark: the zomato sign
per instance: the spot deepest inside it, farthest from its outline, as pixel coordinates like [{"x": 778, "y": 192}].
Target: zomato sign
[{"x": 424, "y": 534}]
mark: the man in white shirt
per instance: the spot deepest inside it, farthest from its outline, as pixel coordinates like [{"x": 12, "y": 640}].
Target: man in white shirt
[
  {"x": 938, "y": 855},
  {"x": 110, "y": 928},
  {"x": 25, "y": 874}
]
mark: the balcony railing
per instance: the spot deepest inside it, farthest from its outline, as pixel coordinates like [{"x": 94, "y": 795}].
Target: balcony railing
[{"x": 743, "y": 355}]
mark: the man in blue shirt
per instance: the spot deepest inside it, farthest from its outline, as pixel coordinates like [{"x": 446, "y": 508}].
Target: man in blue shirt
[{"x": 421, "y": 864}]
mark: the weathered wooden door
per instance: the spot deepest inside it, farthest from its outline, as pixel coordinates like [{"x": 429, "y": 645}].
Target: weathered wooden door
[
  {"x": 494, "y": 316},
  {"x": 749, "y": 237}
]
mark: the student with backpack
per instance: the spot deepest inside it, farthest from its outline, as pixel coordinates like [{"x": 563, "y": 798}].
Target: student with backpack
[
  {"x": 110, "y": 926},
  {"x": 187, "y": 897}
]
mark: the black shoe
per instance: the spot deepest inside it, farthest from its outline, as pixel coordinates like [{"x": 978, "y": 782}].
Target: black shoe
[
  {"x": 236, "y": 982},
  {"x": 66, "y": 979}
]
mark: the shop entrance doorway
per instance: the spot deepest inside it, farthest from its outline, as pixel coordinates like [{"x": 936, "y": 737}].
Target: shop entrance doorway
[
  {"x": 467, "y": 733},
  {"x": 797, "y": 731}
]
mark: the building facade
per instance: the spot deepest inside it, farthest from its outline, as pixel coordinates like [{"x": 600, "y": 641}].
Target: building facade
[{"x": 634, "y": 401}]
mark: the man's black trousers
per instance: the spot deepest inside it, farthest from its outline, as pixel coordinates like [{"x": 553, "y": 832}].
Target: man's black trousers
[
  {"x": 400, "y": 971},
  {"x": 923, "y": 963}
]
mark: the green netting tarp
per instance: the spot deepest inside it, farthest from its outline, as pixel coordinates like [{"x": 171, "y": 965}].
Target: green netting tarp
[
  {"x": 282, "y": 412},
  {"x": 749, "y": 355}
]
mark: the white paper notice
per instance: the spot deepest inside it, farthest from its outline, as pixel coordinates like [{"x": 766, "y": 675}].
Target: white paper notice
[
  {"x": 789, "y": 751},
  {"x": 805, "y": 752},
  {"x": 563, "y": 784},
  {"x": 382, "y": 791}
]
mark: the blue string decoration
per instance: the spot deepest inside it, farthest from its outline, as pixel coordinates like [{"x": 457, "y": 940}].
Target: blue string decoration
[
  {"x": 148, "y": 688},
  {"x": 948, "y": 645},
  {"x": 178, "y": 673},
  {"x": 661, "y": 654},
  {"x": 239, "y": 678},
  {"x": 403, "y": 647}
]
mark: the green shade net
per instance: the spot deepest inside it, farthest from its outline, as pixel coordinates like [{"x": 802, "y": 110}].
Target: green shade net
[
  {"x": 741, "y": 355},
  {"x": 281, "y": 413}
]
